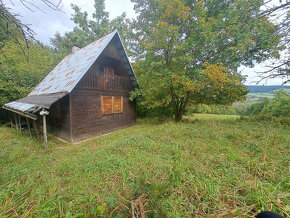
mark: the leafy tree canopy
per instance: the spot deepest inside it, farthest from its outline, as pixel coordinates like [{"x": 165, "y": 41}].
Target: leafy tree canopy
[
  {"x": 86, "y": 30},
  {"x": 19, "y": 74},
  {"x": 189, "y": 51}
]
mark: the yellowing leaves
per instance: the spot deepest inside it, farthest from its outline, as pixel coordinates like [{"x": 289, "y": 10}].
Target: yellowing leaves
[
  {"x": 161, "y": 23},
  {"x": 184, "y": 84},
  {"x": 173, "y": 9},
  {"x": 215, "y": 72}
]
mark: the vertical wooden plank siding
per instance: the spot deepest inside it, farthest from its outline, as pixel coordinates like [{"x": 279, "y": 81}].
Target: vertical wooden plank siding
[
  {"x": 58, "y": 120},
  {"x": 88, "y": 118}
]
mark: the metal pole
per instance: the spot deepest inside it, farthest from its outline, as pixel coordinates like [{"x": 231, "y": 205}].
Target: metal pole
[{"x": 44, "y": 131}]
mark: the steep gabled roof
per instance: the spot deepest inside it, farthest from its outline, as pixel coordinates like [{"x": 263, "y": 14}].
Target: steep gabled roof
[{"x": 65, "y": 76}]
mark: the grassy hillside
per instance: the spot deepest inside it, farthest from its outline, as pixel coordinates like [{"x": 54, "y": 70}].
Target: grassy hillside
[{"x": 212, "y": 166}]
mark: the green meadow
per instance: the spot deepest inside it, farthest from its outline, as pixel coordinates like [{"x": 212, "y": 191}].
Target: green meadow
[{"x": 207, "y": 165}]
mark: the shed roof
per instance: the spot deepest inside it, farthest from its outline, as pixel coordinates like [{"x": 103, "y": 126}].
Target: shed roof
[
  {"x": 31, "y": 104},
  {"x": 65, "y": 76}
]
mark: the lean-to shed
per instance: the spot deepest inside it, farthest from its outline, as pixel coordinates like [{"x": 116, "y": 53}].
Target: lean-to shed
[{"x": 86, "y": 94}]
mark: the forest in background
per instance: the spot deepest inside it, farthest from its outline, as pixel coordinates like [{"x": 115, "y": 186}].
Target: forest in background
[{"x": 172, "y": 49}]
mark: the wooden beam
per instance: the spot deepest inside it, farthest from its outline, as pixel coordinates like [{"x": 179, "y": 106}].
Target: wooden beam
[
  {"x": 36, "y": 129},
  {"x": 28, "y": 125},
  {"x": 11, "y": 121},
  {"x": 16, "y": 124},
  {"x": 20, "y": 129},
  {"x": 31, "y": 116}
]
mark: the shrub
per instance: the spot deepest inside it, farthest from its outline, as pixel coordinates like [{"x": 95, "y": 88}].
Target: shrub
[
  {"x": 267, "y": 118},
  {"x": 211, "y": 109}
]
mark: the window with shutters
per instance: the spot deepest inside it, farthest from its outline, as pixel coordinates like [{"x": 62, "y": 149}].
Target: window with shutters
[{"x": 112, "y": 104}]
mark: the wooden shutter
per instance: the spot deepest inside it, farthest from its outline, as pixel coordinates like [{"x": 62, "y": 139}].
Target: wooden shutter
[
  {"x": 118, "y": 104},
  {"x": 107, "y": 105},
  {"x": 111, "y": 104}
]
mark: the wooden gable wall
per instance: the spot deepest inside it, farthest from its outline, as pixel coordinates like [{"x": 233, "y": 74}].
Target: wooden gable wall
[{"x": 87, "y": 118}]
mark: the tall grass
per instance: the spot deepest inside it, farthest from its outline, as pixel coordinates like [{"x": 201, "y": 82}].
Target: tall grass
[{"x": 193, "y": 168}]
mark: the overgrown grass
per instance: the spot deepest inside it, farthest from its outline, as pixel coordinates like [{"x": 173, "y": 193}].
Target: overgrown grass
[
  {"x": 194, "y": 168},
  {"x": 211, "y": 117}
]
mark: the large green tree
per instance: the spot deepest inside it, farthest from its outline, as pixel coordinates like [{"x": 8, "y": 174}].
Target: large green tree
[
  {"x": 189, "y": 51},
  {"x": 88, "y": 30},
  {"x": 19, "y": 73}
]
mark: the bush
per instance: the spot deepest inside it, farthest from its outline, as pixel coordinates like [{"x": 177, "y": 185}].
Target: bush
[
  {"x": 159, "y": 112},
  {"x": 211, "y": 109},
  {"x": 266, "y": 118}
]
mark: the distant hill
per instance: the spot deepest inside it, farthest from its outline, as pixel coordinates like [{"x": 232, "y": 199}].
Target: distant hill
[{"x": 266, "y": 89}]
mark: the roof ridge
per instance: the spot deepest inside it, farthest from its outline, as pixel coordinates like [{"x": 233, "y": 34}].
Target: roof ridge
[{"x": 95, "y": 41}]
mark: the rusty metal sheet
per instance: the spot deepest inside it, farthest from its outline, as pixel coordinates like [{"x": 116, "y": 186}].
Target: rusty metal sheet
[
  {"x": 19, "y": 106},
  {"x": 65, "y": 76},
  {"x": 31, "y": 105}
]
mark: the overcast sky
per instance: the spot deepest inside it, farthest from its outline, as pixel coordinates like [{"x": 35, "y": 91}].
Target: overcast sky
[{"x": 46, "y": 22}]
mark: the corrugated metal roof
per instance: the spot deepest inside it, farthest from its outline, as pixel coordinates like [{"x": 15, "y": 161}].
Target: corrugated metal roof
[
  {"x": 65, "y": 76},
  {"x": 30, "y": 105},
  {"x": 19, "y": 106},
  {"x": 24, "y": 109}
]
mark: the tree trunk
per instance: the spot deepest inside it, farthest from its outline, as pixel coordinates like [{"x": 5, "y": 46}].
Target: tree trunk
[
  {"x": 179, "y": 108},
  {"x": 177, "y": 116}
]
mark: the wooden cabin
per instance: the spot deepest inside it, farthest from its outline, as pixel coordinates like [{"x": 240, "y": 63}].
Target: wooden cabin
[{"x": 86, "y": 94}]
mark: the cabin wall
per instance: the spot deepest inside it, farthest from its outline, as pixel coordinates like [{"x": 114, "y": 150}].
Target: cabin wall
[
  {"x": 86, "y": 109},
  {"x": 87, "y": 119},
  {"x": 58, "y": 120}
]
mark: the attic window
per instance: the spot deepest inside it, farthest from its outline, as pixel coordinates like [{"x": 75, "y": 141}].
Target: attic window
[{"x": 111, "y": 104}]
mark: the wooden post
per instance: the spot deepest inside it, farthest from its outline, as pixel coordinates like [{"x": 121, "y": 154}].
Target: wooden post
[
  {"x": 44, "y": 113},
  {"x": 11, "y": 121},
  {"x": 36, "y": 129},
  {"x": 16, "y": 124},
  {"x": 28, "y": 125},
  {"x": 19, "y": 118}
]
